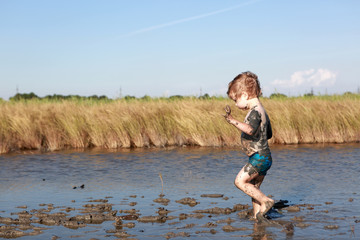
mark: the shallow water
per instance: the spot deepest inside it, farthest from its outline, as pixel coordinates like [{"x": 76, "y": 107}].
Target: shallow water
[{"x": 323, "y": 178}]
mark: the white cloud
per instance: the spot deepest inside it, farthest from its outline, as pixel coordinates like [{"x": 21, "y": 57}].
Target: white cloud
[{"x": 308, "y": 78}]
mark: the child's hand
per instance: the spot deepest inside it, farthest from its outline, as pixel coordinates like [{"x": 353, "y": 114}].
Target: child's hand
[
  {"x": 227, "y": 110},
  {"x": 227, "y": 115}
]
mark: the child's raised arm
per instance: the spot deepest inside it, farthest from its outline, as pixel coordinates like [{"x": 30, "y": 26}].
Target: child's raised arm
[{"x": 244, "y": 127}]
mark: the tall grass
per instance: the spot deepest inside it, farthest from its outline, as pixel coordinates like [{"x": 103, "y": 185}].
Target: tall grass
[{"x": 55, "y": 125}]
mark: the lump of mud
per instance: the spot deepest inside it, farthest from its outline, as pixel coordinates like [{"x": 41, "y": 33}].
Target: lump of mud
[
  {"x": 50, "y": 221},
  {"x": 122, "y": 234},
  {"x": 68, "y": 209},
  {"x": 58, "y": 215},
  {"x": 163, "y": 201},
  {"x": 118, "y": 222},
  {"x": 41, "y": 215},
  {"x": 25, "y": 227},
  {"x": 73, "y": 224},
  {"x": 94, "y": 218},
  {"x": 190, "y": 225},
  {"x": 173, "y": 235},
  {"x": 169, "y": 218},
  {"x": 215, "y": 195},
  {"x": 215, "y": 210},
  {"x": 196, "y": 215},
  {"x": 330, "y": 227},
  {"x": 129, "y": 225},
  {"x": 302, "y": 225},
  {"x": 23, "y": 214},
  {"x": 183, "y": 216},
  {"x": 228, "y": 221},
  {"x": 162, "y": 211},
  {"x": 245, "y": 214},
  {"x": 238, "y": 207},
  {"x": 188, "y": 201},
  {"x": 104, "y": 207},
  {"x": 212, "y": 231},
  {"x": 12, "y": 234},
  {"x": 99, "y": 200},
  {"x": 6, "y": 227},
  {"x": 24, "y": 206},
  {"x": 129, "y": 217},
  {"x": 146, "y": 219},
  {"x": 6, "y": 220},
  {"x": 131, "y": 211},
  {"x": 229, "y": 228},
  {"x": 298, "y": 219},
  {"x": 210, "y": 225},
  {"x": 293, "y": 209}
]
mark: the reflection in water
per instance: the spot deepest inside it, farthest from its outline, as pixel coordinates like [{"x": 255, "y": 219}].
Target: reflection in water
[
  {"x": 259, "y": 232},
  {"x": 301, "y": 174}
]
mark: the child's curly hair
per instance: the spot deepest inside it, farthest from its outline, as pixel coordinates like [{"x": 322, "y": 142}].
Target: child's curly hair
[{"x": 244, "y": 82}]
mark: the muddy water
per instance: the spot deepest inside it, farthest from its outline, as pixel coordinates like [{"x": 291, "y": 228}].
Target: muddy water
[{"x": 320, "y": 183}]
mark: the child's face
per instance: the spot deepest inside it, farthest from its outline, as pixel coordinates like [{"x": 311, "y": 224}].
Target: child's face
[{"x": 242, "y": 101}]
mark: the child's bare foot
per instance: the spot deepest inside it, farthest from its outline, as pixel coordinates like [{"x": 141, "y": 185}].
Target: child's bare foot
[
  {"x": 260, "y": 218},
  {"x": 268, "y": 205}
]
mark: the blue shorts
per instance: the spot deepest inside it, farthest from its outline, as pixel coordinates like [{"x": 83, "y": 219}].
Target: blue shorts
[{"x": 261, "y": 163}]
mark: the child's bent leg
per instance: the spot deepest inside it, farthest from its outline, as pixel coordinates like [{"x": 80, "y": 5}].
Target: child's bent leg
[
  {"x": 257, "y": 182},
  {"x": 244, "y": 180}
]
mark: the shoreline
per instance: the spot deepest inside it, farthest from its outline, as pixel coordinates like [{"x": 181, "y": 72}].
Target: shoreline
[{"x": 154, "y": 148}]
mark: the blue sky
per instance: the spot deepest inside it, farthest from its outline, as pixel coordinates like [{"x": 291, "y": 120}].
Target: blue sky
[{"x": 177, "y": 47}]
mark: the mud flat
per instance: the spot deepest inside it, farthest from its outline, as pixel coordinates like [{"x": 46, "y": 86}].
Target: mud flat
[{"x": 284, "y": 220}]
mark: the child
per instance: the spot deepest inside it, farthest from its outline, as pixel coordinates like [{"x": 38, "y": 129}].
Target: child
[{"x": 256, "y": 130}]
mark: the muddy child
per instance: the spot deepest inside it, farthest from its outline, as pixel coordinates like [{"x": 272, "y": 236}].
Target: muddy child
[{"x": 256, "y": 130}]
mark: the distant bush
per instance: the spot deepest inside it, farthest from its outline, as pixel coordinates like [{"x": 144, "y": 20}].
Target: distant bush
[
  {"x": 146, "y": 98},
  {"x": 310, "y": 94},
  {"x": 278, "y": 95},
  {"x": 205, "y": 96},
  {"x": 29, "y": 96},
  {"x": 176, "y": 97},
  {"x": 95, "y": 97},
  {"x": 24, "y": 96},
  {"x": 349, "y": 94},
  {"x": 128, "y": 97}
]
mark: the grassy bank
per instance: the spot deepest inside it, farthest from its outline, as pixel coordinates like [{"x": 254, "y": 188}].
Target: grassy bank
[{"x": 54, "y": 125}]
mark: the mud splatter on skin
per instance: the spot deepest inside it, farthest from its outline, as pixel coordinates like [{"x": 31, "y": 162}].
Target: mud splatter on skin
[{"x": 250, "y": 169}]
